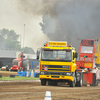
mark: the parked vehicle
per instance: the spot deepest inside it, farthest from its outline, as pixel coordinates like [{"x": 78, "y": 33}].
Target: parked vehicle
[
  {"x": 5, "y": 68},
  {"x": 18, "y": 63}
]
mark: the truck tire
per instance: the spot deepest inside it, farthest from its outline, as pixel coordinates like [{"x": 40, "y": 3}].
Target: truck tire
[
  {"x": 72, "y": 84},
  {"x": 80, "y": 82},
  {"x": 97, "y": 81},
  {"x": 43, "y": 82}
]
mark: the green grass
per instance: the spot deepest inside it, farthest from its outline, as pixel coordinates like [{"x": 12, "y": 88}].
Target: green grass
[{"x": 18, "y": 78}]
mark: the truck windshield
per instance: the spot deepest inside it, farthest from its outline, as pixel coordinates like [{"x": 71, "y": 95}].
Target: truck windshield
[
  {"x": 15, "y": 62},
  {"x": 86, "y": 49},
  {"x": 56, "y": 55}
]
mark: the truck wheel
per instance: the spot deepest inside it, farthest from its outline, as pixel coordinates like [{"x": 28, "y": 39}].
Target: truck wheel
[
  {"x": 43, "y": 82},
  {"x": 72, "y": 84},
  {"x": 80, "y": 83},
  {"x": 97, "y": 81}
]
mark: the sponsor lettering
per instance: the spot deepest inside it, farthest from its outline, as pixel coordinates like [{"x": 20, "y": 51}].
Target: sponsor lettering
[
  {"x": 65, "y": 66},
  {"x": 87, "y": 42},
  {"x": 81, "y": 58},
  {"x": 86, "y": 59}
]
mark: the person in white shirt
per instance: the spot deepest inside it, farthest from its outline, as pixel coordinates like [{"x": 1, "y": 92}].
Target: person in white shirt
[{"x": 88, "y": 51}]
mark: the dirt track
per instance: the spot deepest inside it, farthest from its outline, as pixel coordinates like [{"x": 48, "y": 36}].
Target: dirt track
[
  {"x": 34, "y": 91},
  {"x": 7, "y": 73}
]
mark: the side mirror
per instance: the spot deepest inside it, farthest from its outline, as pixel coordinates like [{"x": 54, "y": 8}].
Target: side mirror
[
  {"x": 76, "y": 55},
  {"x": 38, "y": 53}
]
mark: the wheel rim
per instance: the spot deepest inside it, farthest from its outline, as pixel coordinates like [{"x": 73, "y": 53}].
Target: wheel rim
[
  {"x": 81, "y": 82},
  {"x": 73, "y": 84}
]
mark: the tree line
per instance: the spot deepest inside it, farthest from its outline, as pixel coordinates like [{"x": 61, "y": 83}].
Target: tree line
[{"x": 9, "y": 40}]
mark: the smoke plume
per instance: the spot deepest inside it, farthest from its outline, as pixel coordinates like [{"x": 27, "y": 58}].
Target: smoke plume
[{"x": 66, "y": 20}]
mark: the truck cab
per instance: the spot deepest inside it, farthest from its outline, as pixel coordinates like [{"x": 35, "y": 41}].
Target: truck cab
[
  {"x": 86, "y": 62},
  {"x": 18, "y": 63},
  {"x": 57, "y": 63},
  {"x": 86, "y": 54}
]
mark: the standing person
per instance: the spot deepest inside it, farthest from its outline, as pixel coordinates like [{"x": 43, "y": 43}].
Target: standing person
[{"x": 88, "y": 51}]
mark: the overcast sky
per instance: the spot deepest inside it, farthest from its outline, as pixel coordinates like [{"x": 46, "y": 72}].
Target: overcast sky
[
  {"x": 45, "y": 20},
  {"x": 13, "y": 19}
]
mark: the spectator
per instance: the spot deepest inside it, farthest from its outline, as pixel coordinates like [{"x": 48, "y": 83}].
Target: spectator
[{"x": 88, "y": 51}]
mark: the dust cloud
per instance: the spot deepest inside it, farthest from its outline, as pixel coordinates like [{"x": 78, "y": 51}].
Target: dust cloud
[{"x": 63, "y": 20}]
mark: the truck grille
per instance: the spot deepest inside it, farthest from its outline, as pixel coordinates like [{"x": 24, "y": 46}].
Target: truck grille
[
  {"x": 55, "y": 68},
  {"x": 55, "y": 76}
]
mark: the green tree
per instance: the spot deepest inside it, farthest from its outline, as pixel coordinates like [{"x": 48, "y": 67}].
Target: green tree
[
  {"x": 2, "y": 41},
  {"x": 9, "y": 40},
  {"x": 4, "y": 32},
  {"x": 28, "y": 50},
  {"x": 12, "y": 35}
]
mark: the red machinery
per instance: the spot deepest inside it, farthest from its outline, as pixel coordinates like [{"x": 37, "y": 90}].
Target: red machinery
[
  {"x": 86, "y": 62},
  {"x": 17, "y": 63}
]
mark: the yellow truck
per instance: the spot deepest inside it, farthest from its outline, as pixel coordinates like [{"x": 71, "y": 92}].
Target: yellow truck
[{"x": 57, "y": 64}]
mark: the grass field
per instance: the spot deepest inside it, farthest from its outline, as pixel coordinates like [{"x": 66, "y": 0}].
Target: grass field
[
  {"x": 6, "y": 76},
  {"x": 18, "y": 78}
]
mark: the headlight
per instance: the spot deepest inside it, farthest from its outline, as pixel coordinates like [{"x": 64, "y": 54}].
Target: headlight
[
  {"x": 42, "y": 73},
  {"x": 69, "y": 74}
]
